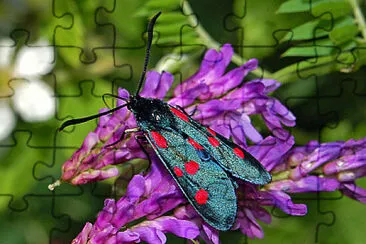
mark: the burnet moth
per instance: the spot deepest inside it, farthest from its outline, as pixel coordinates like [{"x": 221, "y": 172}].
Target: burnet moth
[{"x": 203, "y": 163}]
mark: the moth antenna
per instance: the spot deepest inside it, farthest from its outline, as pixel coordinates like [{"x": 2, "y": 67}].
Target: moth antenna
[
  {"x": 112, "y": 95},
  {"x": 85, "y": 119},
  {"x": 150, "y": 34}
]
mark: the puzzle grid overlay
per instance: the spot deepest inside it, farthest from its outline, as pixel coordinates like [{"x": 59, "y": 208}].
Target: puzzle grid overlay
[{"x": 328, "y": 209}]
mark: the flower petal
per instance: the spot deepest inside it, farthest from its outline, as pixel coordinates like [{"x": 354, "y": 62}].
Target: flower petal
[
  {"x": 230, "y": 80},
  {"x": 355, "y": 192},
  {"x": 320, "y": 155},
  {"x": 182, "y": 228},
  {"x": 271, "y": 150},
  {"x": 157, "y": 85},
  {"x": 283, "y": 201},
  {"x": 212, "y": 67},
  {"x": 248, "y": 224},
  {"x": 83, "y": 235},
  {"x": 307, "y": 184},
  {"x": 128, "y": 236}
]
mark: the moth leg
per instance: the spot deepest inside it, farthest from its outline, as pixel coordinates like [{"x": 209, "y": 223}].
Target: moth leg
[
  {"x": 139, "y": 139},
  {"x": 191, "y": 114},
  {"x": 128, "y": 131}
]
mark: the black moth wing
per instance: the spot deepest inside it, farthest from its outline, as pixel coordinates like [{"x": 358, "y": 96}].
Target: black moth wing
[
  {"x": 205, "y": 184},
  {"x": 235, "y": 160}
]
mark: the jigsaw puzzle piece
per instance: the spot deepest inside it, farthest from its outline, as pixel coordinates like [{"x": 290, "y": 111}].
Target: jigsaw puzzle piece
[
  {"x": 76, "y": 34},
  {"x": 86, "y": 97},
  {"x": 260, "y": 28},
  {"x": 332, "y": 100},
  {"x": 84, "y": 43},
  {"x": 345, "y": 211},
  {"x": 128, "y": 39},
  {"x": 29, "y": 167},
  {"x": 27, "y": 225},
  {"x": 18, "y": 181}
]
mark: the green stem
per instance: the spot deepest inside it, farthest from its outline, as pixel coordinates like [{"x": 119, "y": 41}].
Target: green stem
[
  {"x": 281, "y": 176},
  {"x": 359, "y": 17},
  {"x": 211, "y": 43},
  {"x": 318, "y": 66}
]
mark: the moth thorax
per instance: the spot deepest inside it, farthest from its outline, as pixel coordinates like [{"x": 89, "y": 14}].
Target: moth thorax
[{"x": 153, "y": 111}]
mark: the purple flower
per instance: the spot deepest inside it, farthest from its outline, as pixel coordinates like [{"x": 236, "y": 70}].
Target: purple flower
[
  {"x": 223, "y": 103},
  {"x": 147, "y": 197},
  {"x": 338, "y": 165}
]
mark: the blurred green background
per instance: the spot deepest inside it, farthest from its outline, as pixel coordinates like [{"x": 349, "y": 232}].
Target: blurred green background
[{"x": 314, "y": 47}]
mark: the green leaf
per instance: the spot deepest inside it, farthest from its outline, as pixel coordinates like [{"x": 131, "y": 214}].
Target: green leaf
[
  {"x": 174, "y": 27},
  {"x": 348, "y": 45},
  {"x": 169, "y": 29},
  {"x": 172, "y": 17},
  {"x": 319, "y": 66},
  {"x": 261, "y": 26},
  {"x": 153, "y": 6},
  {"x": 344, "y": 30},
  {"x": 312, "y": 49},
  {"x": 185, "y": 37},
  {"x": 310, "y": 30},
  {"x": 163, "y": 4},
  {"x": 293, "y": 6},
  {"x": 336, "y": 8}
]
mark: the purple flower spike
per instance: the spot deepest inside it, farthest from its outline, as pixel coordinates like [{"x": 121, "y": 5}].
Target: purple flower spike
[
  {"x": 320, "y": 155},
  {"x": 154, "y": 205},
  {"x": 342, "y": 163}
]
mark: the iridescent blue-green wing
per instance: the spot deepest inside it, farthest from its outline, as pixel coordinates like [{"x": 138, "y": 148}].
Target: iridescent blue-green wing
[
  {"x": 202, "y": 180},
  {"x": 233, "y": 159}
]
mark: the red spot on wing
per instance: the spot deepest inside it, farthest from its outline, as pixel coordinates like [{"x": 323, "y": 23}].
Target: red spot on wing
[
  {"x": 201, "y": 196},
  {"x": 195, "y": 144},
  {"x": 191, "y": 167},
  {"x": 238, "y": 152},
  {"x": 178, "y": 172},
  {"x": 213, "y": 141},
  {"x": 159, "y": 139},
  {"x": 211, "y": 131},
  {"x": 179, "y": 114}
]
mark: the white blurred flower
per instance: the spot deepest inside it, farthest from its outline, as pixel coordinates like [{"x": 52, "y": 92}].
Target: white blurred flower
[
  {"x": 7, "y": 120},
  {"x": 32, "y": 98}
]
